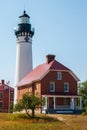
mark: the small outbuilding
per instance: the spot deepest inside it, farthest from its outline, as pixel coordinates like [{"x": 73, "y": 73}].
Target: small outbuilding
[{"x": 6, "y": 97}]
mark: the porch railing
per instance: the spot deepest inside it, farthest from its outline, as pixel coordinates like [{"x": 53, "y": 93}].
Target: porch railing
[{"x": 63, "y": 107}]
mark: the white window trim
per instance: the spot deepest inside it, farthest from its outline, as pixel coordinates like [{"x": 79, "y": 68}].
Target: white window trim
[
  {"x": 53, "y": 87},
  {"x": 59, "y": 75},
  {"x": 66, "y": 83}
]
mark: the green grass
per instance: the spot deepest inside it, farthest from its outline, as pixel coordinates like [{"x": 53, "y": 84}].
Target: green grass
[
  {"x": 24, "y": 117},
  {"x": 42, "y": 122}
]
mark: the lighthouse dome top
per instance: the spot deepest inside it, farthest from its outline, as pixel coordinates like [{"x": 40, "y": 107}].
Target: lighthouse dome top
[{"x": 24, "y": 15}]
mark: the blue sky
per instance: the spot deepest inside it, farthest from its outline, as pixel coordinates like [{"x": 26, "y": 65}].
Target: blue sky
[{"x": 60, "y": 29}]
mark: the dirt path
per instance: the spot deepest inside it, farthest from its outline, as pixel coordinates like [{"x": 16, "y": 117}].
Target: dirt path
[
  {"x": 60, "y": 117},
  {"x": 57, "y": 116},
  {"x": 73, "y": 122}
]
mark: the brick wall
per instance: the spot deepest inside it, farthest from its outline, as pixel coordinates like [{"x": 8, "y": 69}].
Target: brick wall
[
  {"x": 7, "y": 100},
  {"x": 59, "y": 84},
  {"x": 34, "y": 88}
]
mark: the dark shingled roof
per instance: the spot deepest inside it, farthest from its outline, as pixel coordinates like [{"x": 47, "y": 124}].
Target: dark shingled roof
[{"x": 24, "y": 15}]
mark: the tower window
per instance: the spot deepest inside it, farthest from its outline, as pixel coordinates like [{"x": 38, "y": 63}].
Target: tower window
[
  {"x": 66, "y": 87},
  {"x": 59, "y": 75},
  {"x": 52, "y": 87}
]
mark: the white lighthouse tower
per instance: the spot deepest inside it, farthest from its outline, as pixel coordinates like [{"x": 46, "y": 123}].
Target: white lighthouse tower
[{"x": 24, "y": 33}]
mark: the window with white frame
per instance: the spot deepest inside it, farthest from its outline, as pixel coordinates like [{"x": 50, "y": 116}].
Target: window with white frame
[
  {"x": 59, "y": 75},
  {"x": 52, "y": 87},
  {"x": 66, "y": 87}
]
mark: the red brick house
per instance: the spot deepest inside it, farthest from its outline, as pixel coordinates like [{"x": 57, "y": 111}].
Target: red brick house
[
  {"x": 54, "y": 82},
  {"x": 6, "y": 97}
]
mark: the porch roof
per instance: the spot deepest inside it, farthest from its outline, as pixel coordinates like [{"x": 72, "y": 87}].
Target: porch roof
[{"x": 62, "y": 96}]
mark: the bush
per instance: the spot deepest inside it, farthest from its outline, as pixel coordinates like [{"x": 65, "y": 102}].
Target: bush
[{"x": 29, "y": 101}]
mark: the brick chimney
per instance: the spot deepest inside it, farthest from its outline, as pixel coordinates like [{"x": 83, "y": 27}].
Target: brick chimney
[
  {"x": 49, "y": 58},
  {"x": 2, "y": 81}
]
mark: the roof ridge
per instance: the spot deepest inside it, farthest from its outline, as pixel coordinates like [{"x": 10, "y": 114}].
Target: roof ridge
[{"x": 60, "y": 65}]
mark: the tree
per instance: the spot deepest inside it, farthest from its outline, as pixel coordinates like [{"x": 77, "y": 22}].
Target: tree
[
  {"x": 83, "y": 92},
  {"x": 29, "y": 101}
]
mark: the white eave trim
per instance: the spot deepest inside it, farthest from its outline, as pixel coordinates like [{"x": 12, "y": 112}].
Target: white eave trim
[
  {"x": 72, "y": 74},
  {"x": 44, "y": 74}
]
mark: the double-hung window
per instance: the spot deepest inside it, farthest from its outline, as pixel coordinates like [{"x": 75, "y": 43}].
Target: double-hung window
[
  {"x": 66, "y": 87},
  {"x": 52, "y": 87},
  {"x": 59, "y": 75}
]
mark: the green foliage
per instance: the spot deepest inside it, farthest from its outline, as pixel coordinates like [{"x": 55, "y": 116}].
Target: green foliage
[
  {"x": 29, "y": 101},
  {"x": 83, "y": 91},
  {"x": 18, "y": 107}
]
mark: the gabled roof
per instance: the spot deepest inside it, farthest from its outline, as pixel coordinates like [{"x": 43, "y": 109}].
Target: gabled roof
[{"x": 40, "y": 71}]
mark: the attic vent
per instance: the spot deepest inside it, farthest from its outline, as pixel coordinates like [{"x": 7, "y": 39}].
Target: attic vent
[{"x": 49, "y": 58}]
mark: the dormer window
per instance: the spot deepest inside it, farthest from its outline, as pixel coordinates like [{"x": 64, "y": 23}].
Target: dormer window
[{"x": 59, "y": 75}]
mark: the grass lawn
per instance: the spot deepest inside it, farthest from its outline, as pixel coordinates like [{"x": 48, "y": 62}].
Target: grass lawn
[{"x": 56, "y": 122}]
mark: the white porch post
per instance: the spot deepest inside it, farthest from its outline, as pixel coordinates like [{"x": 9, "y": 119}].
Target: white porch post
[
  {"x": 80, "y": 103},
  {"x": 73, "y": 103},
  {"x": 46, "y": 102},
  {"x": 54, "y": 103}
]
